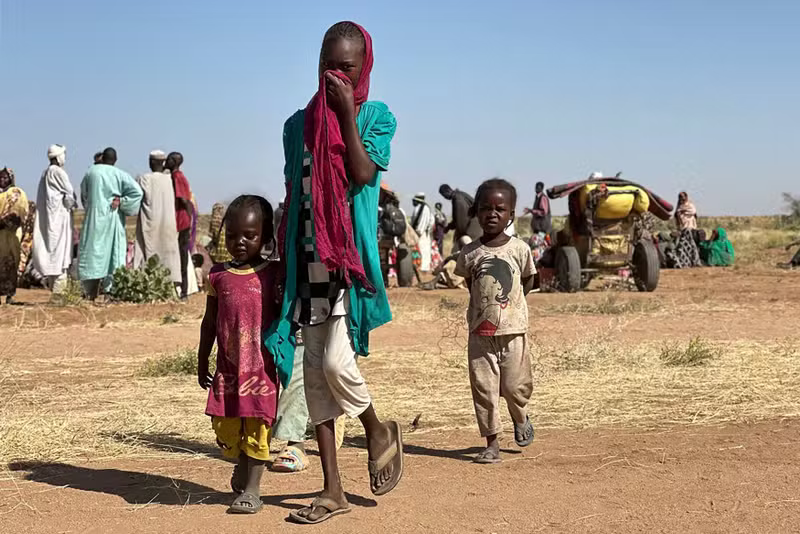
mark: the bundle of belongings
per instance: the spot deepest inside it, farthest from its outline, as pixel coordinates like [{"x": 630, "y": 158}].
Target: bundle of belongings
[
  {"x": 680, "y": 251},
  {"x": 690, "y": 248}
]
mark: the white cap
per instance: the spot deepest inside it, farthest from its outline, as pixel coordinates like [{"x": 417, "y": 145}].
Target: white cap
[
  {"x": 158, "y": 155},
  {"x": 595, "y": 175}
]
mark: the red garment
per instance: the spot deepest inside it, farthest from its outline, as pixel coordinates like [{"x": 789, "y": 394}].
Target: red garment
[
  {"x": 181, "y": 186},
  {"x": 332, "y": 221},
  {"x": 541, "y": 206},
  {"x": 246, "y": 381}
]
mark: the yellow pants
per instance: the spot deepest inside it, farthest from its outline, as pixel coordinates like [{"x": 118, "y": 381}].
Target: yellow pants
[{"x": 236, "y": 435}]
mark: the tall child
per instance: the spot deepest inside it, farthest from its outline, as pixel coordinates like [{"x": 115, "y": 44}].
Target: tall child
[
  {"x": 335, "y": 150},
  {"x": 499, "y": 272},
  {"x": 241, "y": 303}
]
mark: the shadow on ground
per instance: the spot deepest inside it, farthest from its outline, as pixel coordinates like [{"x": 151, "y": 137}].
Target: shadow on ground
[
  {"x": 464, "y": 454},
  {"x": 169, "y": 442},
  {"x": 145, "y": 488},
  {"x": 133, "y": 487}
]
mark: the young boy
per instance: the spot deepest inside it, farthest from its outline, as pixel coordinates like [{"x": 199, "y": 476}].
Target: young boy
[{"x": 499, "y": 272}]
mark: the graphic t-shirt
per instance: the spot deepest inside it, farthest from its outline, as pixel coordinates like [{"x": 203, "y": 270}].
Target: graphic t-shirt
[{"x": 497, "y": 305}]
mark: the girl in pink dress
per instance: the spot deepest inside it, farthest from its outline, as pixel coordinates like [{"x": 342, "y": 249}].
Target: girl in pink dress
[{"x": 243, "y": 392}]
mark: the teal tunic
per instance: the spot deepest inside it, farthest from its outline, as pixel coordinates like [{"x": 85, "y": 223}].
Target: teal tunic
[
  {"x": 103, "y": 246},
  {"x": 367, "y": 310}
]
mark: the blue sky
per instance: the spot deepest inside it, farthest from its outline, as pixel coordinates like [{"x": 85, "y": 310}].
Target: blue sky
[{"x": 699, "y": 95}]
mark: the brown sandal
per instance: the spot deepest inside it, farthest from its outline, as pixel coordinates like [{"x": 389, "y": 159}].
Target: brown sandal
[
  {"x": 333, "y": 509},
  {"x": 392, "y": 456}
]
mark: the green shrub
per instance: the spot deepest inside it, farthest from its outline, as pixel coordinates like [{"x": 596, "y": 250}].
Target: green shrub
[
  {"x": 70, "y": 295},
  {"x": 151, "y": 284},
  {"x": 181, "y": 362},
  {"x": 698, "y": 352}
]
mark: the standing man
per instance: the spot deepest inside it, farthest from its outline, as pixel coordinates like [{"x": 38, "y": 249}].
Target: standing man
[
  {"x": 183, "y": 215},
  {"x": 464, "y": 221},
  {"x": 541, "y": 220},
  {"x": 52, "y": 234},
  {"x": 423, "y": 225},
  {"x": 439, "y": 227},
  {"x": 108, "y": 194},
  {"x": 156, "y": 233}
]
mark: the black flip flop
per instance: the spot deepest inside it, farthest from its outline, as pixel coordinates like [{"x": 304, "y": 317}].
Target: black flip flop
[{"x": 238, "y": 508}]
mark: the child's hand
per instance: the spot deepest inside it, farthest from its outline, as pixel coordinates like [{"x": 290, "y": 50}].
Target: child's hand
[
  {"x": 340, "y": 96},
  {"x": 203, "y": 376}
]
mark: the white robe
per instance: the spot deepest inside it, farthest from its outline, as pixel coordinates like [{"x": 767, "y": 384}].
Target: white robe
[
  {"x": 156, "y": 232},
  {"x": 52, "y": 233},
  {"x": 424, "y": 227}
]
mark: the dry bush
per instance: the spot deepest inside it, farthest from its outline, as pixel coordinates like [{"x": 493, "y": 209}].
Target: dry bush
[{"x": 696, "y": 352}]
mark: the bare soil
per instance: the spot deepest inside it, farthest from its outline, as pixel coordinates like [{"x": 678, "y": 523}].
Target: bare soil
[{"x": 90, "y": 446}]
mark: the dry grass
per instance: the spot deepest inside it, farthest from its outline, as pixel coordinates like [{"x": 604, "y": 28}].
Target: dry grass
[
  {"x": 610, "y": 304},
  {"x": 597, "y": 380},
  {"x": 97, "y": 403}
]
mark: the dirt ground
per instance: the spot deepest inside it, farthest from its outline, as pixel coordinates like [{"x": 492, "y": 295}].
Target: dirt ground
[{"x": 625, "y": 443}]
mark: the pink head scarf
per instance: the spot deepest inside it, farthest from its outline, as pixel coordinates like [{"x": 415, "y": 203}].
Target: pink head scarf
[{"x": 323, "y": 137}]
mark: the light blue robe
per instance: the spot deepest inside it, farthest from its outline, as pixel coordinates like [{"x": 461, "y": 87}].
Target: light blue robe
[{"x": 103, "y": 246}]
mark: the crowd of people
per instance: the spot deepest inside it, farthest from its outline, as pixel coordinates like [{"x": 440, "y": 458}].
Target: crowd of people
[
  {"x": 38, "y": 239},
  {"x": 688, "y": 245}
]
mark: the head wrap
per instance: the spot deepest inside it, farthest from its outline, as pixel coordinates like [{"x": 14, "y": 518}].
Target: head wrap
[
  {"x": 158, "y": 155},
  {"x": 57, "y": 152},
  {"x": 322, "y": 135},
  {"x": 419, "y": 197}
]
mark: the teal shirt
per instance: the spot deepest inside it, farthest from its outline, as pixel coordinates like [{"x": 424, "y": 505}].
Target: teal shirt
[{"x": 367, "y": 310}]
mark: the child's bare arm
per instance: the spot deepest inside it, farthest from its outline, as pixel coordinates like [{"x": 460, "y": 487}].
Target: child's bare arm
[
  {"x": 208, "y": 334},
  {"x": 362, "y": 168},
  {"x": 528, "y": 284}
]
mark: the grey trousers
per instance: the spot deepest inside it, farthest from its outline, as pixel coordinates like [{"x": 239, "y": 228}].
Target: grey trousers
[{"x": 291, "y": 422}]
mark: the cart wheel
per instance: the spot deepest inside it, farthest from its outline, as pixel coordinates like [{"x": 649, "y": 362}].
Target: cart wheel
[
  {"x": 405, "y": 267},
  {"x": 646, "y": 266},
  {"x": 568, "y": 269}
]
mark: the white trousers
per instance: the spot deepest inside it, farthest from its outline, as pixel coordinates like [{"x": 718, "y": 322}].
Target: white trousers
[{"x": 333, "y": 383}]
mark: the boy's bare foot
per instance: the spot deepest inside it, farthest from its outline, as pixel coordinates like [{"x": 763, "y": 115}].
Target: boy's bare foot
[{"x": 491, "y": 454}]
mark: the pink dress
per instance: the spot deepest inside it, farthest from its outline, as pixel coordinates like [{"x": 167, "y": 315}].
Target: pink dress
[{"x": 246, "y": 382}]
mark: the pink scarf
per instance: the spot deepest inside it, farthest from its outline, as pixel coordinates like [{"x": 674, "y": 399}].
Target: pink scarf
[{"x": 329, "y": 182}]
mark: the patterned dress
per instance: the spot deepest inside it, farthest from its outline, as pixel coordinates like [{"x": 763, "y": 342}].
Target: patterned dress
[{"x": 13, "y": 211}]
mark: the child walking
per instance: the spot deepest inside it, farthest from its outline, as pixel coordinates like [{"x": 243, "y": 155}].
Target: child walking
[
  {"x": 499, "y": 272},
  {"x": 241, "y": 304},
  {"x": 335, "y": 151}
]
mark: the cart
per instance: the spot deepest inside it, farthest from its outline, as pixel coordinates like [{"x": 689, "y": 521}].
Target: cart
[{"x": 603, "y": 236}]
